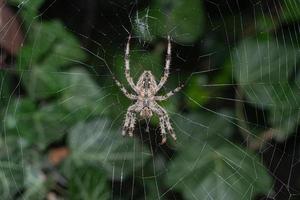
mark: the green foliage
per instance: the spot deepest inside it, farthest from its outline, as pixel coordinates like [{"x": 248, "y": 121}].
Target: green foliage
[
  {"x": 11, "y": 166},
  {"x": 265, "y": 80},
  {"x": 45, "y": 54},
  {"x": 218, "y": 172},
  {"x": 88, "y": 183},
  {"x": 97, "y": 143},
  {"x": 182, "y": 19},
  {"x": 220, "y": 169},
  {"x": 37, "y": 126},
  {"x": 82, "y": 97}
]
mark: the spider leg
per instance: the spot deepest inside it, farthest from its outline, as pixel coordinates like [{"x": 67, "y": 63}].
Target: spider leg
[
  {"x": 123, "y": 89},
  {"x": 164, "y": 123},
  {"x": 162, "y": 129},
  {"x": 129, "y": 123},
  {"x": 167, "y": 66},
  {"x": 132, "y": 124},
  {"x": 169, "y": 94},
  {"x": 169, "y": 127},
  {"x": 127, "y": 68}
]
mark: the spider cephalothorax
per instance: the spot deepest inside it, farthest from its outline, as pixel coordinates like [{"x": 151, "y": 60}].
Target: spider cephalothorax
[{"x": 145, "y": 97}]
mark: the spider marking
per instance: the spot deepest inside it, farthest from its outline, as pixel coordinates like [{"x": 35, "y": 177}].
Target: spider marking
[{"x": 145, "y": 97}]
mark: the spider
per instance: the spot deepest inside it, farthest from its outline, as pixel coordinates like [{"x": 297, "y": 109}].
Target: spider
[{"x": 145, "y": 97}]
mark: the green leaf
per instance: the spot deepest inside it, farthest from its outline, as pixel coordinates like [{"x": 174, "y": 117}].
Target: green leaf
[
  {"x": 11, "y": 166},
  {"x": 38, "y": 127},
  {"x": 203, "y": 127},
  {"x": 51, "y": 122},
  {"x": 64, "y": 50},
  {"x": 95, "y": 143},
  {"x": 263, "y": 69},
  {"x": 40, "y": 61},
  {"x": 43, "y": 82},
  {"x": 218, "y": 169},
  {"x": 82, "y": 98},
  {"x": 218, "y": 172},
  {"x": 49, "y": 44},
  {"x": 263, "y": 62},
  {"x": 88, "y": 183},
  {"x": 18, "y": 117},
  {"x": 182, "y": 19},
  {"x": 21, "y": 172}
]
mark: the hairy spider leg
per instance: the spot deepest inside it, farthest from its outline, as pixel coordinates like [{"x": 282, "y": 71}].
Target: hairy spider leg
[
  {"x": 123, "y": 89},
  {"x": 132, "y": 124},
  {"x": 162, "y": 130},
  {"x": 127, "y": 66},
  {"x": 164, "y": 123},
  {"x": 130, "y": 119},
  {"x": 167, "y": 66},
  {"x": 169, "y": 94}
]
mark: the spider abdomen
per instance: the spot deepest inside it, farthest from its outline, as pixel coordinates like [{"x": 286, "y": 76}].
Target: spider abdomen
[{"x": 146, "y": 113}]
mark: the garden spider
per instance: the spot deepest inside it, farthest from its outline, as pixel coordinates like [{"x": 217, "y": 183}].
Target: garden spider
[{"x": 146, "y": 104}]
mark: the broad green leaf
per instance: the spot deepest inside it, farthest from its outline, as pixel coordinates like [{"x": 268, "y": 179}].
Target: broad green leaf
[
  {"x": 218, "y": 172},
  {"x": 96, "y": 143},
  {"x": 202, "y": 127},
  {"x": 17, "y": 118},
  {"x": 82, "y": 97},
  {"x": 88, "y": 183},
  {"x": 218, "y": 169},
  {"x": 49, "y": 43},
  {"x": 11, "y": 166},
  {"x": 65, "y": 50},
  {"x": 263, "y": 69},
  {"x": 182, "y": 19},
  {"x": 38, "y": 127},
  {"x": 261, "y": 63},
  {"x": 51, "y": 122},
  {"x": 49, "y": 48},
  {"x": 45, "y": 124},
  {"x": 43, "y": 82}
]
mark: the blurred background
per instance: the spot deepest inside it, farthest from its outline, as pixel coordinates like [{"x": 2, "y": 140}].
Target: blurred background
[{"x": 236, "y": 119}]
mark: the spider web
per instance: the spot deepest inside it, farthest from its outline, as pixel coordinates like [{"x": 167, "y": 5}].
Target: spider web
[{"x": 236, "y": 119}]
